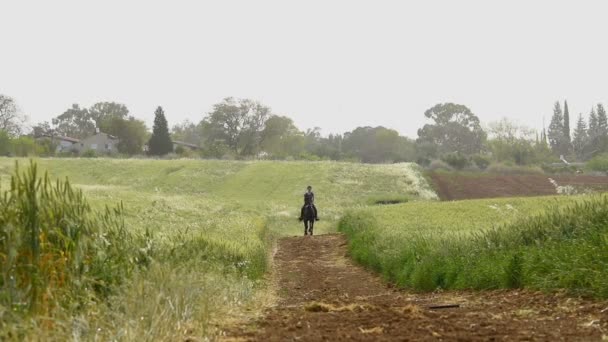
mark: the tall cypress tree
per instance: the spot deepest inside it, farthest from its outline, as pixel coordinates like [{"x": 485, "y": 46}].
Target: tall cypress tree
[
  {"x": 593, "y": 131},
  {"x": 567, "y": 139},
  {"x": 543, "y": 136},
  {"x": 602, "y": 127},
  {"x": 602, "y": 121},
  {"x": 160, "y": 142},
  {"x": 580, "y": 138},
  {"x": 556, "y": 130}
]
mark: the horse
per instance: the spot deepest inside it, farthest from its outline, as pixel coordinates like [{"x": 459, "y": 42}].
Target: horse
[{"x": 309, "y": 219}]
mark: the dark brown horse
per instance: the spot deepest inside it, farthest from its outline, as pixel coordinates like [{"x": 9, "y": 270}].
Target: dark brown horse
[{"x": 309, "y": 219}]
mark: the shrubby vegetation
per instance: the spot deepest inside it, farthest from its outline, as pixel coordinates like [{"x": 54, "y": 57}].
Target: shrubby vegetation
[
  {"x": 599, "y": 163},
  {"x": 486, "y": 244}
]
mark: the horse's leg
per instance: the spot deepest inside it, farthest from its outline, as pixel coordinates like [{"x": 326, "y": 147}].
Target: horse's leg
[
  {"x": 305, "y": 227},
  {"x": 312, "y": 225}
]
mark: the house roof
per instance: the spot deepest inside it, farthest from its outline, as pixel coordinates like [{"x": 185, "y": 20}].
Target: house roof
[
  {"x": 101, "y": 133},
  {"x": 110, "y": 136},
  {"x": 72, "y": 140},
  {"x": 183, "y": 143}
]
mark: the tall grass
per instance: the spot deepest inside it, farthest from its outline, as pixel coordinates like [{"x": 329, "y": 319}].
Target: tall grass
[
  {"x": 564, "y": 247},
  {"x": 70, "y": 270},
  {"x": 55, "y": 251}
]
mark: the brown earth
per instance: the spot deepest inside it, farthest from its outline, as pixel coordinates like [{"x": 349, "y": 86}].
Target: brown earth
[
  {"x": 323, "y": 296},
  {"x": 457, "y": 186}
]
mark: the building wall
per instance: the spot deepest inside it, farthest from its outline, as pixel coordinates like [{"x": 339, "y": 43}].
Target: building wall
[
  {"x": 65, "y": 146},
  {"x": 100, "y": 143}
]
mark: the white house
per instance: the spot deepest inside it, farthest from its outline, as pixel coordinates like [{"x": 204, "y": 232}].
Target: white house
[{"x": 101, "y": 143}]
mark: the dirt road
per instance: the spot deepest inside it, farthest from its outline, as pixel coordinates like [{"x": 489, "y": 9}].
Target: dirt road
[{"x": 323, "y": 296}]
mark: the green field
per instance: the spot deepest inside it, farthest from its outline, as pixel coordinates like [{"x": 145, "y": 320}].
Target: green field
[
  {"x": 540, "y": 242},
  {"x": 205, "y": 230},
  {"x": 198, "y": 238}
]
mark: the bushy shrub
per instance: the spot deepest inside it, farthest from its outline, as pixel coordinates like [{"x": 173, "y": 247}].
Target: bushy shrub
[
  {"x": 598, "y": 163},
  {"x": 505, "y": 169},
  {"x": 456, "y": 160},
  {"x": 89, "y": 154},
  {"x": 570, "y": 169},
  {"x": 481, "y": 161},
  {"x": 5, "y": 143},
  {"x": 423, "y": 161},
  {"x": 437, "y": 165},
  {"x": 309, "y": 157},
  {"x": 179, "y": 149}
]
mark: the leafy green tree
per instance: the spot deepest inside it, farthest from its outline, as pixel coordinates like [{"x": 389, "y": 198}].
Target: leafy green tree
[
  {"x": 187, "y": 132},
  {"x": 46, "y": 147},
  {"x": 515, "y": 143},
  {"x": 131, "y": 133},
  {"x": 580, "y": 139},
  {"x": 74, "y": 122},
  {"x": 511, "y": 142},
  {"x": 375, "y": 145},
  {"x": 455, "y": 129},
  {"x": 281, "y": 138},
  {"x": 11, "y": 118},
  {"x": 160, "y": 142},
  {"x": 102, "y": 111},
  {"x": 42, "y": 129},
  {"x": 237, "y": 124}
]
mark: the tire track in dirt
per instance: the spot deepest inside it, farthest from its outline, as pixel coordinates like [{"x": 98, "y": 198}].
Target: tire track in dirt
[{"x": 323, "y": 296}]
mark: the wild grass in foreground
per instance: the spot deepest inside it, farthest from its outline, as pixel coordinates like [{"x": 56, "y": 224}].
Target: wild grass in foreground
[
  {"x": 71, "y": 271},
  {"x": 487, "y": 244}
]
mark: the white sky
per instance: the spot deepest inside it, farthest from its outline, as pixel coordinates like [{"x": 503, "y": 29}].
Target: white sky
[{"x": 332, "y": 64}]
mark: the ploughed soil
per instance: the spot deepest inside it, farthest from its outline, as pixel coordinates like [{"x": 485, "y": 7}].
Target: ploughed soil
[
  {"x": 323, "y": 296},
  {"x": 458, "y": 186}
]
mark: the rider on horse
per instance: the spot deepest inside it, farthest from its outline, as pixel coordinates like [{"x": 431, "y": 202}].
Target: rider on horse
[{"x": 309, "y": 199}]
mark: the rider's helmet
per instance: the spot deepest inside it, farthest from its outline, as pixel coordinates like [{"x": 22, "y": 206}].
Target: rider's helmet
[{"x": 309, "y": 187}]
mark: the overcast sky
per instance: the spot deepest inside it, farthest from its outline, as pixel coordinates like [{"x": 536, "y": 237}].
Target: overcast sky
[{"x": 331, "y": 64}]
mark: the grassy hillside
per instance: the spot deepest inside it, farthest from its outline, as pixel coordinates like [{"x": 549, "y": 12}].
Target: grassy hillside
[
  {"x": 207, "y": 229},
  {"x": 538, "y": 242}
]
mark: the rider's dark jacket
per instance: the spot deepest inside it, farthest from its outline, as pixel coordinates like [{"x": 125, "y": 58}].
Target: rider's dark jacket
[{"x": 309, "y": 198}]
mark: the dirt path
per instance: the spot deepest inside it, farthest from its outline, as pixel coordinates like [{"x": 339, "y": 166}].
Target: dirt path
[{"x": 323, "y": 296}]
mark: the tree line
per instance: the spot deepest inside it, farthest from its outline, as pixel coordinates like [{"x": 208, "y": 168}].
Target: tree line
[
  {"x": 589, "y": 137},
  {"x": 247, "y": 129}
]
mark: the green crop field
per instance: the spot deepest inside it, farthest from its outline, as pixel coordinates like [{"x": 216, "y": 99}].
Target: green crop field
[
  {"x": 197, "y": 243},
  {"x": 538, "y": 242},
  {"x": 185, "y": 245}
]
